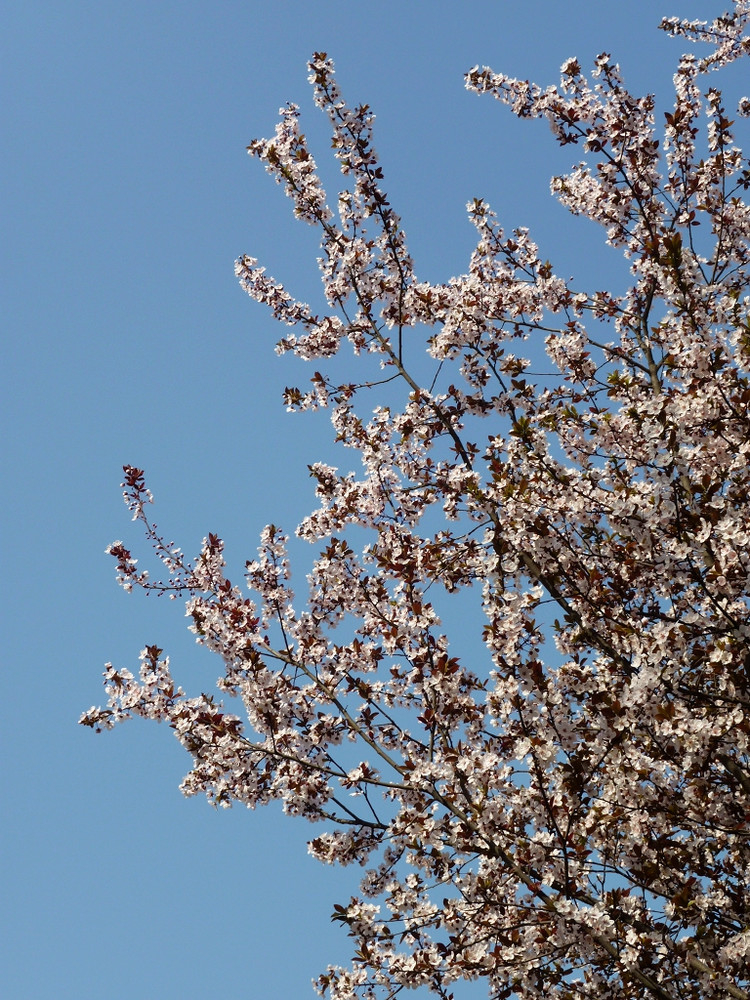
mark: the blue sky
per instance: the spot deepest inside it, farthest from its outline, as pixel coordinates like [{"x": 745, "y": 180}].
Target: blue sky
[{"x": 128, "y": 195}]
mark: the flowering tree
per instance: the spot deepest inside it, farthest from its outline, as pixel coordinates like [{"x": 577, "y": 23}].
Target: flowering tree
[{"x": 568, "y": 815}]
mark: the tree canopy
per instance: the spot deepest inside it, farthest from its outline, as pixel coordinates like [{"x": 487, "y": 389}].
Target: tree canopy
[{"x": 567, "y": 815}]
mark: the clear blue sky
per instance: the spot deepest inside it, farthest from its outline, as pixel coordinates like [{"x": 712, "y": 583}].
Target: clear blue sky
[{"x": 127, "y": 194}]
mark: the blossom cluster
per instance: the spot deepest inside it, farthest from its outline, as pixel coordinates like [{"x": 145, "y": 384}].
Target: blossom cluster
[{"x": 568, "y": 816}]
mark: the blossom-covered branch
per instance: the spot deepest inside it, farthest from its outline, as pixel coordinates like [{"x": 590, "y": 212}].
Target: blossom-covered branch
[{"x": 567, "y": 815}]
